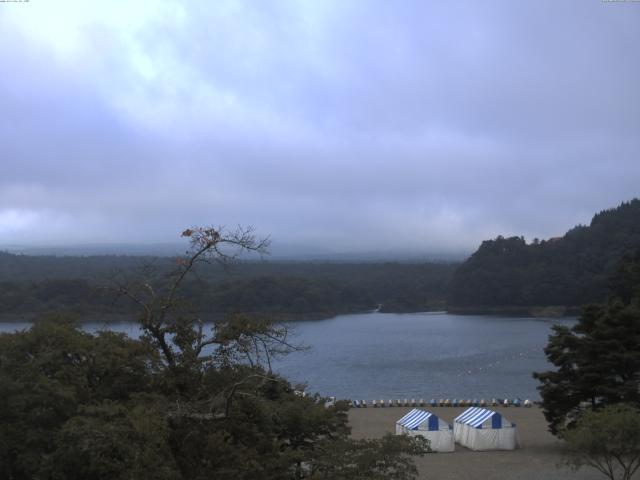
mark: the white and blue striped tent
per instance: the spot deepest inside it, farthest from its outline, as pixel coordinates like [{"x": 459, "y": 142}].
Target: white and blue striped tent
[
  {"x": 426, "y": 424},
  {"x": 482, "y": 429}
]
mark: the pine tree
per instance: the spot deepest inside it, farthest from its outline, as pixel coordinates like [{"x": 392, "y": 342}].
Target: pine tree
[{"x": 598, "y": 359}]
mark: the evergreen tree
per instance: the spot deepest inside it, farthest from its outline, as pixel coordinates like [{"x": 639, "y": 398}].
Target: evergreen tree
[{"x": 598, "y": 359}]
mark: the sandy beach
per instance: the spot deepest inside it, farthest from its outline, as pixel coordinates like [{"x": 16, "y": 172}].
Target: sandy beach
[{"x": 538, "y": 458}]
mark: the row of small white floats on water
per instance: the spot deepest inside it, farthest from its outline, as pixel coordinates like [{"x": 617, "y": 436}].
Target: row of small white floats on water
[{"x": 516, "y": 402}]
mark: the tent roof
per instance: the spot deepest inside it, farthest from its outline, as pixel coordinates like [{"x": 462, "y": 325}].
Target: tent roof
[
  {"x": 414, "y": 418},
  {"x": 474, "y": 416}
]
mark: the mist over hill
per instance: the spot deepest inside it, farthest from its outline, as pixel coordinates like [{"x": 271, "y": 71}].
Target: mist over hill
[
  {"x": 278, "y": 251},
  {"x": 505, "y": 274}
]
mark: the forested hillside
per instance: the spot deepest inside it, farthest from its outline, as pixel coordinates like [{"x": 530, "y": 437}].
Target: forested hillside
[
  {"x": 567, "y": 271},
  {"x": 36, "y": 284}
]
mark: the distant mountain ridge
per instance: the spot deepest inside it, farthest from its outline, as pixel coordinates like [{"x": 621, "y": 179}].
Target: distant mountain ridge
[
  {"x": 278, "y": 252},
  {"x": 568, "y": 271}
]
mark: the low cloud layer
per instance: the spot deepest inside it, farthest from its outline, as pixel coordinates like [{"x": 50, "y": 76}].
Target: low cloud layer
[{"x": 409, "y": 126}]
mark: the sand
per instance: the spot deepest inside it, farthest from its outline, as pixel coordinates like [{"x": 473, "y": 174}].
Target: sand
[{"x": 539, "y": 458}]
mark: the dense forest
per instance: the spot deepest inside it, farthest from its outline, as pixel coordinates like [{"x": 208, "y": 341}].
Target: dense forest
[
  {"x": 505, "y": 275},
  {"x": 177, "y": 403},
  {"x": 509, "y": 273},
  {"x": 37, "y": 284}
]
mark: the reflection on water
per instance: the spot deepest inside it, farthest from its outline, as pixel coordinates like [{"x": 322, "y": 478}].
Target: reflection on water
[{"x": 379, "y": 355}]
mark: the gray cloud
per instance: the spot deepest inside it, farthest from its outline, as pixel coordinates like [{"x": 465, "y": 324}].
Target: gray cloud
[{"x": 417, "y": 126}]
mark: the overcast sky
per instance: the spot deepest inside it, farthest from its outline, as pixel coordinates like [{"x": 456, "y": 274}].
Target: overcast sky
[{"x": 347, "y": 125}]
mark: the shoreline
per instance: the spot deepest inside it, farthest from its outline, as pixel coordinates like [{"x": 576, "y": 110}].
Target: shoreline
[
  {"x": 539, "y": 457},
  {"x": 532, "y": 311},
  {"x": 108, "y": 318}
]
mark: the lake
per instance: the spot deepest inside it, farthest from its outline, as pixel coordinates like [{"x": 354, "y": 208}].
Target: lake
[{"x": 420, "y": 355}]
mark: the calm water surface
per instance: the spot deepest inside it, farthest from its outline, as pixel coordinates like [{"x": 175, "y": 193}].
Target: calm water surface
[
  {"x": 386, "y": 356},
  {"x": 378, "y": 355}
]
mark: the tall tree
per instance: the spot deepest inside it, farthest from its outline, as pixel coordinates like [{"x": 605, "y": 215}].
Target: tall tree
[
  {"x": 598, "y": 359},
  {"x": 179, "y": 403}
]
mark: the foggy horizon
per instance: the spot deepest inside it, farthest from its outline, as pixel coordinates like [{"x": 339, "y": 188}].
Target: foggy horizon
[
  {"x": 343, "y": 128},
  {"x": 276, "y": 251}
]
